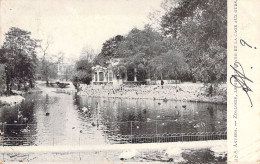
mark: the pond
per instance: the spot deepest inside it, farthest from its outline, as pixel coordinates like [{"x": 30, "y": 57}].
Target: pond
[{"x": 69, "y": 119}]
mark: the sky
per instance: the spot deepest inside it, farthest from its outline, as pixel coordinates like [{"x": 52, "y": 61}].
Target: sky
[{"x": 71, "y": 25}]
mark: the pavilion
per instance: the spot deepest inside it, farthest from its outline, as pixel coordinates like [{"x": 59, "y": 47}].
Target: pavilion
[{"x": 108, "y": 75}]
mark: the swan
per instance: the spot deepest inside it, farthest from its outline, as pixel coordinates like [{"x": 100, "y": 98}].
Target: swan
[
  {"x": 127, "y": 154},
  {"x": 84, "y": 109}
]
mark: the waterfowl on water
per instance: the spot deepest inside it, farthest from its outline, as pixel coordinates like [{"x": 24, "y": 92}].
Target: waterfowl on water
[
  {"x": 47, "y": 114},
  {"x": 159, "y": 103},
  {"x": 93, "y": 124},
  {"x": 184, "y": 106},
  {"x": 84, "y": 109}
]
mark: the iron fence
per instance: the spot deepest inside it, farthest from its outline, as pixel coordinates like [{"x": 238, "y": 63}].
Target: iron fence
[{"x": 27, "y": 138}]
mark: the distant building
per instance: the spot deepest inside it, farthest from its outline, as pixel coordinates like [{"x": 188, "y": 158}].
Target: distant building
[
  {"x": 64, "y": 72},
  {"x": 110, "y": 75}
]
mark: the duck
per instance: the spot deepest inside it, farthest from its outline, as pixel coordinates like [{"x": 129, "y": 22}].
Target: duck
[
  {"x": 159, "y": 103},
  {"x": 184, "y": 106},
  {"x": 26, "y": 130},
  {"x": 84, "y": 109},
  {"x": 93, "y": 124},
  {"x": 196, "y": 126},
  {"x": 47, "y": 114},
  {"x": 127, "y": 154}
]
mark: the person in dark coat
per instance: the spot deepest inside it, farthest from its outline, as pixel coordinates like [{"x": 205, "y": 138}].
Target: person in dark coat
[{"x": 162, "y": 82}]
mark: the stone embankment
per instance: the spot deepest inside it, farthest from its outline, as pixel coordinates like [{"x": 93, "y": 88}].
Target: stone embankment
[{"x": 185, "y": 92}]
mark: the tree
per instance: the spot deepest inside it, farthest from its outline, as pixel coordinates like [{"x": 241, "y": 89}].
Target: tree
[
  {"x": 139, "y": 47},
  {"x": 88, "y": 53},
  {"x": 170, "y": 64},
  {"x": 47, "y": 65},
  {"x": 109, "y": 50},
  {"x": 19, "y": 58},
  {"x": 198, "y": 28},
  {"x": 83, "y": 73}
]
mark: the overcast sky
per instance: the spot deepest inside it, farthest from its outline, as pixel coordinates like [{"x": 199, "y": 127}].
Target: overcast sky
[{"x": 72, "y": 24}]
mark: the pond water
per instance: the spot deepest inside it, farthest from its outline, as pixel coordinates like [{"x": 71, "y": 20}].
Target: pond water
[{"x": 104, "y": 118}]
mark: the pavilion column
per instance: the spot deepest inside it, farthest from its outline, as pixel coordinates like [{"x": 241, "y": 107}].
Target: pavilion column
[
  {"x": 135, "y": 79},
  {"x": 98, "y": 76},
  {"x": 126, "y": 78},
  {"x": 94, "y": 77},
  {"x": 105, "y": 76}
]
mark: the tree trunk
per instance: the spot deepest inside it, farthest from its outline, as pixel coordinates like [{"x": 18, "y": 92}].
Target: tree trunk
[
  {"x": 19, "y": 86},
  {"x": 31, "y": 84},
  {"x": 176, "y": 78}
]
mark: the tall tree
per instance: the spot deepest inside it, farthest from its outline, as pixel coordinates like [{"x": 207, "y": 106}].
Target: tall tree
[
  {"x": 199, "y": 29},
  {"x": 139, "y": 47},
  {"x": 19, "y": 57},
  {"x": 48, "y": 64},
  {"x": 109, "y": 50},
  {"x": 171, "y": 64},
  {"x": 83, "y": 73}
]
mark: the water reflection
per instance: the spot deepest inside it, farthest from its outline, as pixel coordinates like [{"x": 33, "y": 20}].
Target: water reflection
[
  {"x": 77, "y": 119},
  {"x": 155, "y": 116}
]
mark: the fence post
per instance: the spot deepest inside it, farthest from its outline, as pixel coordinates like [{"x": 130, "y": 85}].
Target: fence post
[
  {"x": 131, "y": 131},
  {"x": 156, "y": 139},
  {"x": 3, "y": 133},
  {"x": 53, "y": 136}
]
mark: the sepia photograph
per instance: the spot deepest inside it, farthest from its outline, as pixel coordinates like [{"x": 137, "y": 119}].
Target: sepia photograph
[{"x": 112, "y": 81}]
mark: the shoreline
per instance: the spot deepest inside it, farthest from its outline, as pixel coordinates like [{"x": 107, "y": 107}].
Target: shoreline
[
  {"x": 17, "y": 98},
  {"x": 11, "y": 100},
  {"x": 183, "y": 92}
]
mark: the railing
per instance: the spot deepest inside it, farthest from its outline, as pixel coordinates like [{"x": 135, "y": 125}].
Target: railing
[
  {"x": 175, "y": 137},
  {"x": 27, "y": 138}
]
